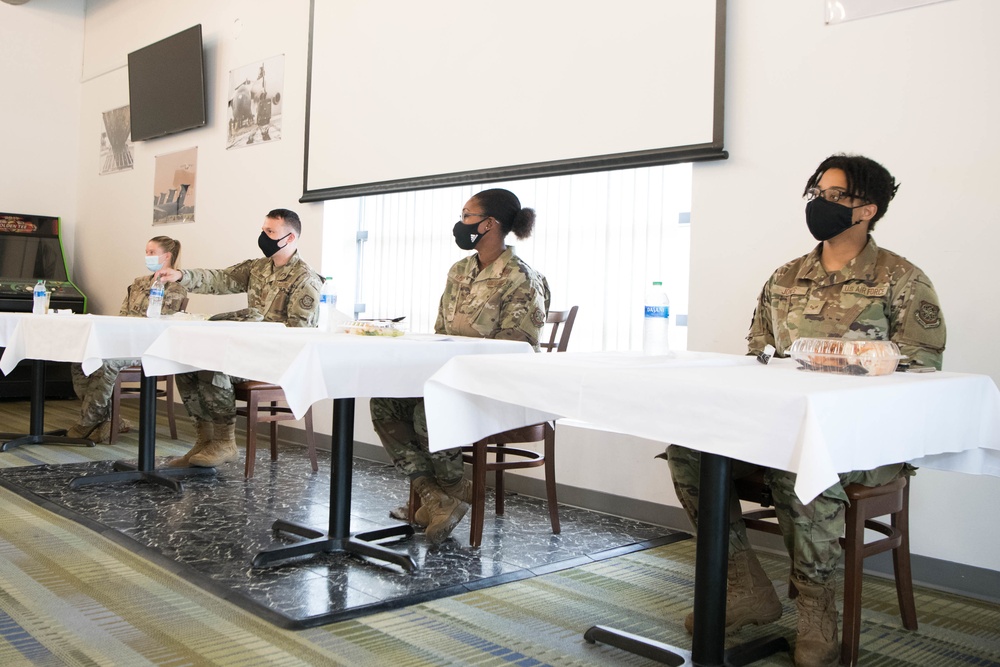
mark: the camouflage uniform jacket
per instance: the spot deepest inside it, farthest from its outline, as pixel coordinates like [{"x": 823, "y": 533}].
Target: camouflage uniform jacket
[
  {"x": 137, "y": 297},
  {"x": 507, "y": 300},
  {"x": 288, "y": 293},
  {"x": 877, "y": 296}
]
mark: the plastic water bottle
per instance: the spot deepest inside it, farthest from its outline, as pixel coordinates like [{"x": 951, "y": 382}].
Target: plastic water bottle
[
  {"x": 656, "y": 323},
  {"x": 40, "y": 304},
  {"x": 155, "y": 299},
  {"x": 327, "y": 304}
]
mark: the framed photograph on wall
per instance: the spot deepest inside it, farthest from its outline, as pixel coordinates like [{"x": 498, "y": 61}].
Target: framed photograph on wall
[
  {"x": 116, "y": 141},
  {"x": 174, "y": 187},
  {"x": 255, "y": 92}
]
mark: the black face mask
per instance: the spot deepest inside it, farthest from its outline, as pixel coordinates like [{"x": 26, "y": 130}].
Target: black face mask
[
  {"x": 466, "y": 236},
  {"x": 268, "y": 245},
  {"x": 827, "y": 219}
]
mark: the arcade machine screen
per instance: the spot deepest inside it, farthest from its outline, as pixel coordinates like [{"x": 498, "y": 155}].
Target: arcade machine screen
[{"x": 31, "y": 249}]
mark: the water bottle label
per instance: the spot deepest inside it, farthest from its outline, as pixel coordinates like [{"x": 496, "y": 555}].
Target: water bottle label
[
  {"x": 328, "y": 298},
  {"x": 658, "y": 311},
  {"x": 156, "y": 292}
]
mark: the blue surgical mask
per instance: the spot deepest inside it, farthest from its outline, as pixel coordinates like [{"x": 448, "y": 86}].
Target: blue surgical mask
[{"x": 154, "y": 262}]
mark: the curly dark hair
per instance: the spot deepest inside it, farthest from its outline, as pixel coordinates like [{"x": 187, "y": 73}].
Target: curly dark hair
[
  {"x": 505, "y": 208},
  {"x": 867, "y": 180}
]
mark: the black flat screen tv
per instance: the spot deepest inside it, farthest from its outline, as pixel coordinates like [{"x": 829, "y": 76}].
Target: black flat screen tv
[{"x": 166, "y": 86}]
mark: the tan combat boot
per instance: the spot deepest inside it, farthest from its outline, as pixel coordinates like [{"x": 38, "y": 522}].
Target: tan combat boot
[
  {"x": 443, "y": 511},
  {"x": 816, "y": 642},
  {"x": 102, "y": 433},
  {"x": 462, "y": 490},
  {"x": 750, "y": 596},
  {"x": 205, "y": 433},
  {"x": 221, "y": 449}
]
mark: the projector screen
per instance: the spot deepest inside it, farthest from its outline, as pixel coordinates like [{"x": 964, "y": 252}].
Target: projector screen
[{"x": 407, "y": 95}]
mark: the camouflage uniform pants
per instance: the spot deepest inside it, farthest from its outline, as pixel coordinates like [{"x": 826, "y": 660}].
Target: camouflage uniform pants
[
  {"x": 95, "y": 390},
  {"x": 811, "y": 531},
  {"x": 401, "y": 424},
  {"x": 208, "y": 396}
]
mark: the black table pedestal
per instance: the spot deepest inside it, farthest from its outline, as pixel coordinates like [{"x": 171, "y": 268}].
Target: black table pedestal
[
  {"x": 146, "y": 470},
  {"x": 38, "y": 435},
  {"x": 339, "y": 539},
  {"x": 711, "y": 562}
]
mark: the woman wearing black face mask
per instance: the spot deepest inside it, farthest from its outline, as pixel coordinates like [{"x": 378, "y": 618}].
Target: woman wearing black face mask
[
  {"x": 848, "y": 288},
  {"x": 489, "y": 294}
]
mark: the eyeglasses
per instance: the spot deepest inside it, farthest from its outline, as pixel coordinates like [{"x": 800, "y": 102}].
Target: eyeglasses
[
  {"x": 830, "y": 194},
  {"x": 473, "y": 215}
]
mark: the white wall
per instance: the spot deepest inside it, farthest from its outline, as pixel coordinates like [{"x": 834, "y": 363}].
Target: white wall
[
  {"x": 913, "y": 89},
  {"x": 41, "y": 51}
]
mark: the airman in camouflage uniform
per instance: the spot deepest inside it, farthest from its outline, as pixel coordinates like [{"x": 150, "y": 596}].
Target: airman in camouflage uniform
[
  {"x": 877, "y": 295},
  {"x": 280, "y": 287},
  {"x": 507, "y": 300},
  {"x": 95, "y": 390},
  {"x": 288, "y": 294}
]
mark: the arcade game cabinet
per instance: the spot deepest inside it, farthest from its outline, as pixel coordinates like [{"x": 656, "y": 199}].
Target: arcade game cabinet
[{"x": 30, "y": 248}]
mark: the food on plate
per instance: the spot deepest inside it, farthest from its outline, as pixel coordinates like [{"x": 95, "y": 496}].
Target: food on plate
[{"x": 373, "y": 328}]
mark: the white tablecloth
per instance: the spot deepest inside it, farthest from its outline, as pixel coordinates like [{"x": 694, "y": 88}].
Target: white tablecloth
[
  {"x": 311, "y": 365},
  {"x": 8, "y": 322},
  {"x": 813, "y": 424},
  {"x": 89, "y": 339}
]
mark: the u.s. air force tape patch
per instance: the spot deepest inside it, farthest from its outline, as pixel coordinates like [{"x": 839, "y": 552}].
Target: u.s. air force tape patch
[{"x": 928, "y": 315}]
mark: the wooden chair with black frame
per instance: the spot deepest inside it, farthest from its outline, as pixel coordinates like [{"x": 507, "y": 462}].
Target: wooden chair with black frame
[{"x": 478, "y": 454}]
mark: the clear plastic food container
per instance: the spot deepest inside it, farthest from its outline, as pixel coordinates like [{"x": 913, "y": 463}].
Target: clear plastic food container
[
  {"x": 847, "y": 357},
  {"x": 373, "y": 328}
]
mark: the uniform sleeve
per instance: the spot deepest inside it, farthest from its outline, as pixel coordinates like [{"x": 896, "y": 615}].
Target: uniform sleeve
[
  {"x": 447, "y": 296},
  {"x": 233, "y": 280},
  {"x": 303, "y": 302},
  {"x": 124, "y": 310},
  {"x": 439, "y": 322},
  {"x": 916, "y": 322},
  {"x": 173, "y": 296},
  {"x": 761, "y": 328},
  {"x": 523, "y": 312}
]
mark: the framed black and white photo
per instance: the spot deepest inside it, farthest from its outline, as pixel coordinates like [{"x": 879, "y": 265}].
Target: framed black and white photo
[
  {"x": 255, "y": 95},
  {"x": 116, "y": 141}
]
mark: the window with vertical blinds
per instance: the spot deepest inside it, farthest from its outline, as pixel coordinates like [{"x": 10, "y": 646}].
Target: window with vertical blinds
[{"x": 600, "y": 239}]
